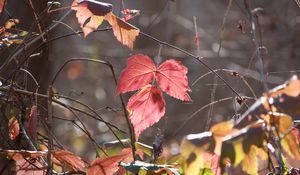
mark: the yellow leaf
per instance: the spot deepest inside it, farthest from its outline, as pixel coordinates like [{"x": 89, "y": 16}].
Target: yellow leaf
[
  {"x": 193, "y": 157},
  {"x": 239, "y": 151},
  {"x": 249, "y": 163}
]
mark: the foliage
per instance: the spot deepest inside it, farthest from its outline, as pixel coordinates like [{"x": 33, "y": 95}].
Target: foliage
[{"x": 266, "y": 131}]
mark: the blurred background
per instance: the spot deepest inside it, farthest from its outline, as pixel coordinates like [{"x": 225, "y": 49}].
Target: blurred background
[{"x": 224, "y": 40}]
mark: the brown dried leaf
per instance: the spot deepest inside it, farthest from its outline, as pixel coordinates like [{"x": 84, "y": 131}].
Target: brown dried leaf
[
  {"x": 124, "y": 32},
  {"x": 14, "y": 128},
  {"x": 290, "y": 88},
  {"x": 71, "y": 159}
]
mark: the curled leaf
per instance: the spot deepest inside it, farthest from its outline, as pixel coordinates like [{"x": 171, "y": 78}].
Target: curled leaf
[
  {"x": 123, "y": 31},
  {"x": 90, "y": 14}
]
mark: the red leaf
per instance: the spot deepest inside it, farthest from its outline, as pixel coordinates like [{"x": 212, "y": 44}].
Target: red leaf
[
  {"x": 172, "y": 79},
  {"x": 146, "y": 107},
  {"x": 139, "y": 72},
  {"x": 29, "y": 167},
  {"x": 170, "y": 76},
  {"x": 123, "y": 31},
  {"x": 90, "y": 14},
  {"x": 14, "y": 128},
  {"x": 109, "y": 165},
  {"x": 2, "y": 2},
  {"x": 71, "y": 159},
  {"x": 32, "y": 123}
]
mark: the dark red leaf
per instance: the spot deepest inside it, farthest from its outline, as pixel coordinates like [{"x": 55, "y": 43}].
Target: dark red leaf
[
  {"x": 146, "y": 107},
  {"x": 32, "y": 123},
  {"x": 139, "y": 72},
  {"x": 71, "y": 159},
  {"x": 172, "y": 79}
]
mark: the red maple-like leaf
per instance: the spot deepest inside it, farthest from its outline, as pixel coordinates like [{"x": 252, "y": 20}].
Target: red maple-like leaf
[
  {"x": 109, "y": 165},
  {"x": 14, "y": 128},
  {"x": 171, "y": 78},
  {"x": 146, "y": 107},
  {"x": 71, "y": 159},
  {"x": 123, "y": 31},
  {"x": 32, "y": 123},
  {"x": 139, "y": 72}
]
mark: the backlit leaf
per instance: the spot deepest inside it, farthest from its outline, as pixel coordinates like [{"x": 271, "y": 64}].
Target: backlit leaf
[
  {"x": 11, "y": 23},
  {"x": 219, "y": 131},
  {"x": 30, "y": 167},
  {"x": 281, "y": 121},
  {"x": 139, "y": 72},
  {"x": 172, "y": 79},
  {"x": 90, "y": 14},
  {"x": 250, "y": 163},
  {"x": 123, "y": 31},
  {"x": 170, "y": 76},
  {"x": 14, "y": 128},
  {"x": 146, "y": 107},
  {"x": 291, "y": 145},
  {"x": 71, "y": 159},
  {"x": 109, "y": 165},
  {"x": 194, "y": 149},
  {"x": 290, "y": 88},
  {"x": 238, "y": 147}
]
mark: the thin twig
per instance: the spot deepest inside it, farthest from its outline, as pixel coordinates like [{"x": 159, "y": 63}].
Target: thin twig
[
  {"x": 84, "y": 59},
  {"x": 32, "y": 42},
  {"x": 199, "y": 59},
  {"x": 221, "y": 33},
  {"x": 129, "y": 125}
]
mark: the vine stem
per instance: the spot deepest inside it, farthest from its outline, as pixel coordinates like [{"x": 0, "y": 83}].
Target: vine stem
[
  {"x": 130, "y": 127},
  {"x": 50, "y": 124}
]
